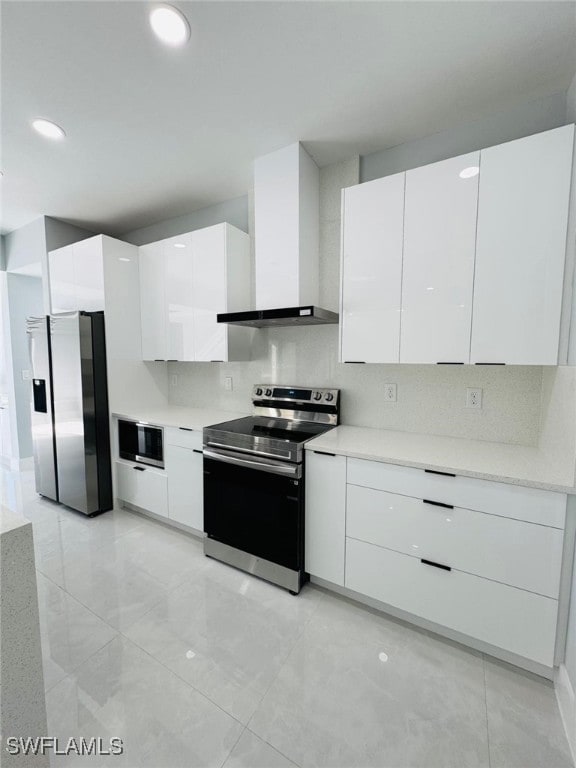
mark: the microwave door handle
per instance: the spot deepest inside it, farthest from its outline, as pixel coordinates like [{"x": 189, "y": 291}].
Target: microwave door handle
[{"x": 276, "y": 468}]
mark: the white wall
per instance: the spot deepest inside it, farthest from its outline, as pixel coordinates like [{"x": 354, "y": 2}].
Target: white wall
[
  {"x": 233, "y": 211},
  {"x": 520, "y": 120},
  {"x": 8, "y": 423},
  {"x": 25, "y": 300},
  {"x": 571, "y": 637}
]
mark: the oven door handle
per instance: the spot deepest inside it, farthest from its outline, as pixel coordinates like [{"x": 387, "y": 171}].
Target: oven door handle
[
  {"x": 211, "y": 444},
  {"x": 276, "y": 467}
]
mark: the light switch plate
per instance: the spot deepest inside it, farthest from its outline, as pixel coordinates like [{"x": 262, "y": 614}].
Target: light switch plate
[
  {"x": 228, "y": 383},
  {"x": 26, "y": 375}
]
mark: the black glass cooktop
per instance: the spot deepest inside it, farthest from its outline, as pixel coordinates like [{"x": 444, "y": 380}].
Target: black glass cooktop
[{"x": 275, "y": 429}]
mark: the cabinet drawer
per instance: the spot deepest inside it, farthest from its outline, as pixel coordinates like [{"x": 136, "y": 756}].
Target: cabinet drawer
[
  {"x": 509, "y": 618},
  {"x": 475, "y": 542},
  {"x": 185, "y": 438},
  {"x": 530, "y": 504},
  {"x": 144, "y": 487}
]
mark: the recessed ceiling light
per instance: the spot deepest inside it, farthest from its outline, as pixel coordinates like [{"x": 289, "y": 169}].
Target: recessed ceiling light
[
  {"x": 47, "y": 128},
  {"x": 468, "y": 173},
  {"x": 123, "y": 258},
  {"x": 169, "y": 25},
  {"x": 179, "y": 245}
]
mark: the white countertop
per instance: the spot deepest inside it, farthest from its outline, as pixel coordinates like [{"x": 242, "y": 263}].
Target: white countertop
[
  {"x": 178, "y": 416},
  {"x": 501, "y": 462}
]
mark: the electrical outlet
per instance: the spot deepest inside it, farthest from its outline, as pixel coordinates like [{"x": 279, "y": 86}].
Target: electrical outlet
[
  {"x": 174, "y": 380},
  {"x": 390, "y": 393},
  {"x": 228, "y": 383},
  {"x": 26, "y": 375},
  {"x": 473, "y": 398}
]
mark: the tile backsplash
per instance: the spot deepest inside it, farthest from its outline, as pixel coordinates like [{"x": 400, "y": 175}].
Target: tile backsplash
[{"x": 431, "y": 399}]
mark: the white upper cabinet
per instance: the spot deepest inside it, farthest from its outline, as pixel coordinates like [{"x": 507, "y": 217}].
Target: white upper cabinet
[
  {"x": 445, "y": 265},
  {"x": 177, "y": 256},
  {"x": 185, "y": 281},
  {"x": 372, "y": 231},
  {"x": 209, "y": 293},
  {"x": 152, "y": 301},
  {"x": 62, "y": 286},
  {"x": 521, "y": 246},
  {"x": 438, "y": 264},
  {"x": 76, "y": 274}
]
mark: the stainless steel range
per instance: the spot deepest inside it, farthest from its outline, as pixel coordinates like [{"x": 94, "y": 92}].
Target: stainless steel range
[{"x": 254, "y": 481}]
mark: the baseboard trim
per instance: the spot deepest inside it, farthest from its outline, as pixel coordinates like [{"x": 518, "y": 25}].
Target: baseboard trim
[
  {"x": 469, "y": 642},
  {"x": 567, "y": 705}
]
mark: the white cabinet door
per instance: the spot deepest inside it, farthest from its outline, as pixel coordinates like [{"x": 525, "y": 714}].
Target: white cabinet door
[
  {"x": 185, "y": 486},
  {"x": 485, "y": 545},
  {"x": 89, "y": 274},
  {"x": 520, "y": 252},
  {"x": 325, "y": 516},
  {"x": 438, "y": 264},
  {"x": 62, "y": 285},
  {"x": 143, "y": 487},
  {"x": 209, "y": 292},
  {"x": 153, "y": 302},
  {"x": 178, "y": 265},
  {"x": 372, "y": 232},
  {"x": 518, "y": 621}
]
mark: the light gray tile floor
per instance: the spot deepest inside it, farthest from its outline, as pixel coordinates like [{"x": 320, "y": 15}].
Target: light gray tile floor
[{"x": 196, "y": 664}]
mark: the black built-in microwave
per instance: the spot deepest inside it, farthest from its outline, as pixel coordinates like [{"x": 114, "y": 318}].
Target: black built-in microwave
[{"x": 141, "y": 442}]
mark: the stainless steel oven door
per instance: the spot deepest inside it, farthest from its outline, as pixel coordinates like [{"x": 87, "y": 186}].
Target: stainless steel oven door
[{"x": 254, "y": 506}]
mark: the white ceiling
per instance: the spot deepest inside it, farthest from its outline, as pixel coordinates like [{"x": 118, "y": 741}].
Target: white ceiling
[{"x": 154, "y": 132}]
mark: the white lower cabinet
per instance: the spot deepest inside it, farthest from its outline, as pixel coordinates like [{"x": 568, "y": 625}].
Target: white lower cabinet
[
  {"x": 518, "y": 621},
  {"x": 184, "y": 468},
  {"x": 513, "y": 552},
  {"x": 325, "y": 516},
  {"x": 479, "y": 558},
  {"x": 144, "y": 487},
  {"x": 528, "y": 504}
]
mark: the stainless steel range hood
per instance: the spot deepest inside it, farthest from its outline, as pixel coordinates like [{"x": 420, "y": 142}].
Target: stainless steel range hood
[
  {"x": 286, "y": 243},
  {"x": 275, "y": 318}
]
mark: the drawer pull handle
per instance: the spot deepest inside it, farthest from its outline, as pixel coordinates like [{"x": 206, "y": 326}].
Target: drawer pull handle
[
  {"x": 436, "y": 565},
  {"x": 186, "y": 429},
  {"x": 438, "y": 504},
  {"x": 355, "y": 362},
  {"x": 448, "y": 362},
  {"x": 196, "y": 450},
  {"x": 324, "y": 453},
  {"x": 139, "y": 469},
  {"x": 436, "y": 472}
]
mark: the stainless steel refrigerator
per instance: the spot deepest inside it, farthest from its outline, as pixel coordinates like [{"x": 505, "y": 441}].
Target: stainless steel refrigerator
[{"x": 70, "y": 423}]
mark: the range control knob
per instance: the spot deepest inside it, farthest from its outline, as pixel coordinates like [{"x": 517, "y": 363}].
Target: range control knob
[
  {"x": 268, "y": 393},
  {"x": 317, "y": 395},
  {"x": 258, "y": 392},
  {"x": 329, "y": 397}
]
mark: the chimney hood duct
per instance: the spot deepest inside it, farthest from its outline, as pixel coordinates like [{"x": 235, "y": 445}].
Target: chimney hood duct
[{"x": 286, "y": 213}]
